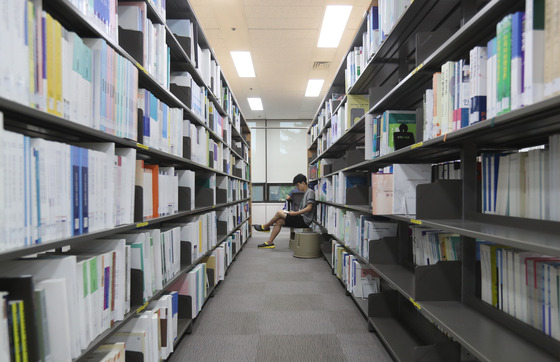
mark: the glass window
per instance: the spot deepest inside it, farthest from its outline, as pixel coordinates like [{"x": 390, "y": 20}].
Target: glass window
[
  {"x": 278, "y": 192},
  {"x": 257, "y": 192}
]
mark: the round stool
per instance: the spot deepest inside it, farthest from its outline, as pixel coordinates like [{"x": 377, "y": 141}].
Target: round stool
[
  {"x": 293, "y": 232},
  {"x": 308, "y": 245}
]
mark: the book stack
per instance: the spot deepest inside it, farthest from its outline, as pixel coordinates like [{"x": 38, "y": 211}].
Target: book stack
[
  {"x": 396, "y": 193},
  {"x": 358, "y": 279},
  {"x": 54, "y": 70},
  {"x": 155, "y": 55},
  {"x": 432, "y": 246},
  {"x": 52, "y": 189},
  {"x": 162, "y": 126},
  {"x": 522, "y": 284},
  {"x": 149, "y": 336},
  {"x": 521, "y": 183}
]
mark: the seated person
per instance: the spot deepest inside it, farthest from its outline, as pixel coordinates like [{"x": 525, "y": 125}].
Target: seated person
[{"x": 298, "y": 219}]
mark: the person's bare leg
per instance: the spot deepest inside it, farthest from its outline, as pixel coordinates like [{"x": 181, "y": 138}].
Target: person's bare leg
[
  {"x": 280, "y": 215},
  {"x": 277, "y": 227}
]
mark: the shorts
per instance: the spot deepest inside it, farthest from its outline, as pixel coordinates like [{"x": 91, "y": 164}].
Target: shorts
[{"x": 295, "y": 221}]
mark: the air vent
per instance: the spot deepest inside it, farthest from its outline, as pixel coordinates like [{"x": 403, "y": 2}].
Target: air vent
[{"x": 321, "y": 65}]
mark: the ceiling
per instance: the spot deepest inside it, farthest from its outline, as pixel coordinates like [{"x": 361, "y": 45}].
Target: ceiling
[{"x": 282, "y": 37}]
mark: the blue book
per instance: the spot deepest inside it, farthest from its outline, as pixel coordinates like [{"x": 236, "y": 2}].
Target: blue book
[
  {"x": 517, "y": 57},
  {"x": 84, "y": 191},
  {"x": 75, "y": 189}
]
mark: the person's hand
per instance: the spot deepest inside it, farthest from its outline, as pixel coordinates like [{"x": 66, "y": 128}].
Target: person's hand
[{"x": 288, "y": 197}]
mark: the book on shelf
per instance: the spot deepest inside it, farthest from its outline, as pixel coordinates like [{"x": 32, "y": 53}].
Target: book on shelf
[
  {"x": 114, "y": 352},
  {"x": 390, "y": 123},
  {"x": 382, "y": 193},
  {"x": 183, "y": 29},
  {"x": 406, "y": 178},
  {"x": 522, "y": 284},
  {"x": 432, "y": 246},
  {"x": 533, "y": 78},
  {"x": 478, "y": 91}
]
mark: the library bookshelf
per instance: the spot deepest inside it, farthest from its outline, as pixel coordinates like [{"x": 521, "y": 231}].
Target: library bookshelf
[
  {"x": 188, "y": 132},
  {"x": 437, "y": 311}
]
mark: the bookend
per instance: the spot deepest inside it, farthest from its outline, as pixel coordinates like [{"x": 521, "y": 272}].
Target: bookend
[
  {"x": 384, "y": 251},
  {"x": 358, "y": 195},
  {"x": 211, "y": 158},
  {"x": 225, "y": 166},
  {"x": 185, "y": 198},
  {"x": 185, "y": 43},
  {"x": 440, "y": 351},
  {"x": 339, "y": 164},
  {"x": 133, "y": 356},
  {"x": 237, "y": 171},
  {"x": 184, "y": 94},
  {"x": 222, "y": 228},
  {"x": 438, "y": 282},
  {"x": 422, "y": 340},
  {"x": 186, "y": 253},
  {"x": 355, "y": 156},
  {"x": 140, "y": 119},
  {"x": 211, "y": 121},
  {"x": 383, "y": 304},
  {"x": 204, "y": 197},
  {"x": 136, "y": 287},
  {"x": 439, "y": 200},
  {"x": 187, "y": 148},
  {"x": 138, "y": 203},
  {"x": 185, "y": 307},
  {"x": 221, "y": 196},
  {"x": 210, "y": 274},
  {"x": 132, "y": 41}
]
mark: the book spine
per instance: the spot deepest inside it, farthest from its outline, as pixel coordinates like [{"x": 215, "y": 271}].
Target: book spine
[
  {"x": 505, "y": 72},
  {"x": 517, "y": 60}
]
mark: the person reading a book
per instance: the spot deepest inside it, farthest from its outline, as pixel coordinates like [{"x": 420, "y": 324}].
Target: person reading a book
[{"x": 298, "y": 219}]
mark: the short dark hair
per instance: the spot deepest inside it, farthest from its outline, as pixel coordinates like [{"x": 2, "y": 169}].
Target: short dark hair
[{"x": 299, "y": 178}]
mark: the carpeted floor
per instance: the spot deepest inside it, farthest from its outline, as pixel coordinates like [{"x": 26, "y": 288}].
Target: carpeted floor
[{"x": 274, "y": 307}]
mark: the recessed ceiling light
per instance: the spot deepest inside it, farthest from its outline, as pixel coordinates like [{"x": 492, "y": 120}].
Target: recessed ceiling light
[
  {"x": 243, "y": 63},
  {"x": 334, "y": 22},
  {"x": 255, "y": 104},
  {"x": 314, "y": 87}
]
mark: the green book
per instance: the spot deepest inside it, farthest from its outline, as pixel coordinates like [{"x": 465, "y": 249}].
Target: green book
[
  {"x": 505, "y": 55},
  {"x": 390, "y": 123},
  {"x": 499, "y": 65}
]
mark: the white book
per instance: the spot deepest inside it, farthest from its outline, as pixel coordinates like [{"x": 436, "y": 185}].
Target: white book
[
  {"x": 405, "y": 179},
  {"x": 4, "y": 331},
  {"x": 555, "y": 302},
  {"x": 534, "y": 54},
  {"x": 478, "y": 99},
  {"x": 59, "y": 322},
  {"x": 503, "y": 187},
  {"x": 124, "y": 199}
]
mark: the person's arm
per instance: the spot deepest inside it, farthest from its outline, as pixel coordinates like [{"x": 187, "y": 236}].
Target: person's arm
[{"x": 307, "y": 208}]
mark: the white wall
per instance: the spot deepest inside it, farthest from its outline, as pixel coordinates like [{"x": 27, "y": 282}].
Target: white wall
[{"x": 262, "y": 213}]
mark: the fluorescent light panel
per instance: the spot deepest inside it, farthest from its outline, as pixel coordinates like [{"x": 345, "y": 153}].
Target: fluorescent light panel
[
  {"x": 334, "y": 22},
  {"x": 243, "y": 64},
  {"x": 314, "y": 87},
  {"x": 255, "y": 104}
]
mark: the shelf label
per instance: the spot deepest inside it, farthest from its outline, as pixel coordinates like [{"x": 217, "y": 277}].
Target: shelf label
[
  {"x": 141, "y": 67},
  {"x": 142, "y": 224},
  {"x": 417, "y": 222},
  {"x": 414, "y": 303},
  {"x": 139, "y": 145},
  {"x": 416, "y": 145},
  {"x": 417, "y": 68},
  {"x": 142, "y": 308}
]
